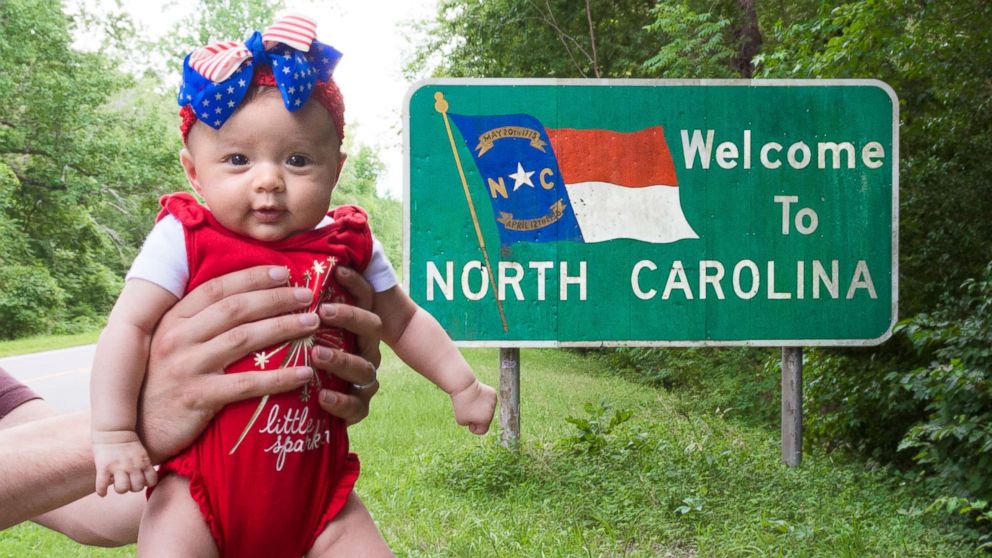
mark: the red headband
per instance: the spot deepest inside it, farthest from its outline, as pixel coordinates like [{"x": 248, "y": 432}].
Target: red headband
[{"x": 326, "y": 93}]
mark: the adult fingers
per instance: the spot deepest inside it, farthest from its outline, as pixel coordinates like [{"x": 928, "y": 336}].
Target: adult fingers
[
  {"x": 356, "y": 320},
  {"x": 236, "y": 342},
  {"x": 219, "y": 390},
  {"x": 349, "y": 408},
  {"x": 241, "y": 308},
  {"x": 354, "y": 283},
  {"x": 350, "y": 368},
  {"x": 363, "y": 323},
  {"x": 251, "y": 279}
]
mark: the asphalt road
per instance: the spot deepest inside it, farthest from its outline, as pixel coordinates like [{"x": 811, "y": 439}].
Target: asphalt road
[{"x": 62, "y": 377}]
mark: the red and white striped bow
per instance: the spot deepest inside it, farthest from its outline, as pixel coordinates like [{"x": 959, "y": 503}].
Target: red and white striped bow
[{"x": 217, "y": 61}]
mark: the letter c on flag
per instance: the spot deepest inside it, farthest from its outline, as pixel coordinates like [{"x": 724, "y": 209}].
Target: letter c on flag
[{"x": 544, "y": 183}]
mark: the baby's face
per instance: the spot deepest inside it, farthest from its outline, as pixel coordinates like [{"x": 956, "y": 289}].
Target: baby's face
[{"x": 266, "y": 173}]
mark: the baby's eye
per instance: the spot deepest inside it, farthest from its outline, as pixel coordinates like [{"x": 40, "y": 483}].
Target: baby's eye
[
  {"x": 297, "y": 161},
  {"x": 237, "y": 159}
]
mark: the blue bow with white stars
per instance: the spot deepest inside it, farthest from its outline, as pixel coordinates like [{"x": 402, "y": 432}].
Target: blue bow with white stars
[{"x": 216, "y": 77}]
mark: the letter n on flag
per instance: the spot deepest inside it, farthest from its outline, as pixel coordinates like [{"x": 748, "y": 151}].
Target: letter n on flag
[{"x": 548, "y": 185}]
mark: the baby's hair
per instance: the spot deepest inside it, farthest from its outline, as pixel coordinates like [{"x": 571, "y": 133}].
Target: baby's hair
[{"x": 325, "y": 92}]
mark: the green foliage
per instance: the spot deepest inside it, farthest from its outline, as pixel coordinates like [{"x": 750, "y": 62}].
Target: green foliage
[
  {"x": 694, "y": 44},
  {"x": 510, "y": 38},
  {"x": 977, "y": 510},
  {"x": 850, "y": 404},
  {"x": 357, "y": 186},
  {"x": 84, "y": 153},
  {"x": 30, "y": 300},
  {"x": 932, "y": 412},
  {"x": 596, "y": 431},
  {"x": 954, "y": 439},
  {"x": 737, "y": 382}
]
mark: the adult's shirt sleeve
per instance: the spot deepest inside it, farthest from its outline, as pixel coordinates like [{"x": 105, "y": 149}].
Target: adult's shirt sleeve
[
  {"x": 162, "y": 259},
  {"x": 13, "y": 394}
]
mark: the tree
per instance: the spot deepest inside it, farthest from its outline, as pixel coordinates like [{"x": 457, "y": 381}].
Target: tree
[
  {"x": 78, "y": 157},
  {"x": 211, "y": 21},
  {"x": 535, "y": 38}
]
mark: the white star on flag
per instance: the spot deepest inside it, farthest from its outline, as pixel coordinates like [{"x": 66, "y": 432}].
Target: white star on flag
[
  {"x": 292, "y": 90},
  {"x": 230, "y": 104},
  {"x": 285, "y": 69},
  {"x": 297, "y": 103},
  {"x": 217, "y": 96},
  {"x": 241, "y": 83},
  {"x": 521, "y": 177},
  {"x": 230, "y": 90}
]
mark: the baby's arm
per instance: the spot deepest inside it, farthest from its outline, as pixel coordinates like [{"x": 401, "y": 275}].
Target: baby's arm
[
  {"x": 419, "y": 340},
  {"x": 118, "y": 371}
]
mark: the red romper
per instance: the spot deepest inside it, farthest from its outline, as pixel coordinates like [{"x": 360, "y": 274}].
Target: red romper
[{"x": 292, "y": 472}]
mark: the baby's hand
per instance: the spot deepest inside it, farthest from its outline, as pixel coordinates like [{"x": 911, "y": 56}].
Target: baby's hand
[
  {"x": 474, "y": 406},
  {"x": 121, "y": 461}
]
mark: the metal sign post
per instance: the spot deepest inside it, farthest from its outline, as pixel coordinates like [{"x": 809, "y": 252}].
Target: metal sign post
[
  {"x": 509, "y": 397},
  {"x": 792, "y": 406}
]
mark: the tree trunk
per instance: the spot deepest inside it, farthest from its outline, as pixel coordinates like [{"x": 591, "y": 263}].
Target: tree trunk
[{"x": 748, "y": 38}]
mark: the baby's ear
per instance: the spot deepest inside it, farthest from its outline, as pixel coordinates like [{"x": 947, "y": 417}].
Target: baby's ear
[{"x": 186, "y": 158}]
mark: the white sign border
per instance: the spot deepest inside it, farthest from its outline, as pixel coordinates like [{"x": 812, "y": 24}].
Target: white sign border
[{"x": 543, "y": 82}]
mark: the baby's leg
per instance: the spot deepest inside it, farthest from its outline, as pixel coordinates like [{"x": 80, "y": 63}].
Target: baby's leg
[
  {"x": 172, "y": 524},
  {"x": 351, "y": 533}
]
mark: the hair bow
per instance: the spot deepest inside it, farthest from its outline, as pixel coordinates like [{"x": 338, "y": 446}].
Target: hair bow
[{"x": 216, "y": 77}]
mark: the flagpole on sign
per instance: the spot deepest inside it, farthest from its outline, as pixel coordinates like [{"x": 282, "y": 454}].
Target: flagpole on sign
[{"x": 441, "y": 105}]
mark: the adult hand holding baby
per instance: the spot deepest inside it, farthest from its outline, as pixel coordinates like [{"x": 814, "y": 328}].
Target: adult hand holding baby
[{"x": 228, "y": 317}]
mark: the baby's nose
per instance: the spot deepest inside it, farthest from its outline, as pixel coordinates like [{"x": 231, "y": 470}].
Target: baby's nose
[{"x": 268, "y": 178}]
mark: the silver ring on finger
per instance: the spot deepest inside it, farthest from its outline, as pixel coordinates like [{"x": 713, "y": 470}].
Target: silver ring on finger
[{"x": 375, "y": 380}]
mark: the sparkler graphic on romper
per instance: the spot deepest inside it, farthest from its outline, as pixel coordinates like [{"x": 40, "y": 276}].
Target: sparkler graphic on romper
[{"x": 315, "y": 279}]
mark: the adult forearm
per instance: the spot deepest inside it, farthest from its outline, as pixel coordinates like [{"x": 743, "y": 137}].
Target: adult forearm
[{"x": 48, "y": 463}]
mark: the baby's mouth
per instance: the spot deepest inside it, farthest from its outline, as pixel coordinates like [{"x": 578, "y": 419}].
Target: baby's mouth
[{"x": 267, "y": 214}]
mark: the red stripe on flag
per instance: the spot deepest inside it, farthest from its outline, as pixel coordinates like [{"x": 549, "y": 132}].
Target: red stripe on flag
[{"x": 632, "y": 159}]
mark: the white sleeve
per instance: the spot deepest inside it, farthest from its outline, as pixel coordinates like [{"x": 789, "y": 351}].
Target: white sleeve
[
  {"x": 162, "y": 259},
  {"x": 380, "y": 272}
]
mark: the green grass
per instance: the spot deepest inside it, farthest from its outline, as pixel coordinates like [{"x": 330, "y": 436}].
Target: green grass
[
  {"x": 672, "y": 480},
  {"x": 40, "y": 343}
]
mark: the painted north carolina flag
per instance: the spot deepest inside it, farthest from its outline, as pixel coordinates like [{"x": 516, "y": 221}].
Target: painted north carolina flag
[{"x": 549, "y": 185}]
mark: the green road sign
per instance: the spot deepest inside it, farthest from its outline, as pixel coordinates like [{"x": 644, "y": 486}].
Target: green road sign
[{"x": 631, "y": 212}]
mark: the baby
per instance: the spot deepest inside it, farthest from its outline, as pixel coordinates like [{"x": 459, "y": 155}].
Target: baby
[{"x": 262, "y": 127}]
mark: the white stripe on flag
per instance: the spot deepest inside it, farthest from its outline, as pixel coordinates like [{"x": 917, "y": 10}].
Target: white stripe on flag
[{"x": 651, "y": 213}]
